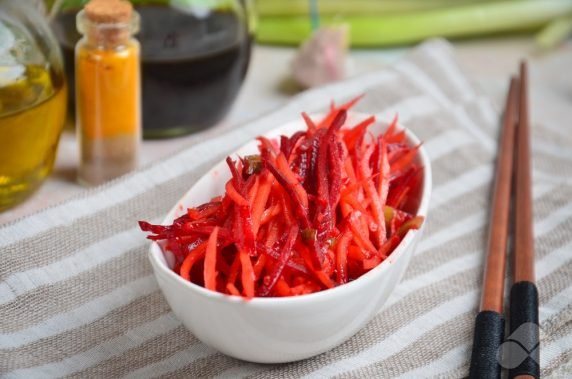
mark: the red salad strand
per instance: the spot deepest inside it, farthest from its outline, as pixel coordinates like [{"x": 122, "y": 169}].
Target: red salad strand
[{"x": 310, "y": 212}]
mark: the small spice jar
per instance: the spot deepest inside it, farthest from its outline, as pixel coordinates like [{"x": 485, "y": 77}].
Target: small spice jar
[{"x": 108, "y": 90}]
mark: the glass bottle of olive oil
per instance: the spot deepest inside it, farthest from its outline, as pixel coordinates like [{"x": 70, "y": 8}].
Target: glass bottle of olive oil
[{"x": 33, "y": 98}]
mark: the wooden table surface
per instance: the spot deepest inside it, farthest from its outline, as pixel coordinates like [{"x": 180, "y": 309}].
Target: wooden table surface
[{"x": 489, "y": 61}]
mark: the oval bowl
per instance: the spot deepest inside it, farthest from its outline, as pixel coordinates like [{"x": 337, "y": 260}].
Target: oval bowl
[{"x": 278, "y": 330}]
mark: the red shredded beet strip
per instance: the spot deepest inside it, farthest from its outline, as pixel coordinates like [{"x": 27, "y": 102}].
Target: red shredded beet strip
[{"x": 285, "y": 254}]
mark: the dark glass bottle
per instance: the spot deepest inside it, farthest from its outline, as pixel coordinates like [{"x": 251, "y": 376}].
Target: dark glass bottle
[{"x": 194, "y": 59}]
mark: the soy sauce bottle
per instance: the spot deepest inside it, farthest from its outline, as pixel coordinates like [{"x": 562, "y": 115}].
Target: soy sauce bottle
[{"x": 193, "y": 59}]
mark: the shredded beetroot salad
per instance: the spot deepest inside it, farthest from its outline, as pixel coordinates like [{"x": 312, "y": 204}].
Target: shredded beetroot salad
[{"x": 309, "y": 212}]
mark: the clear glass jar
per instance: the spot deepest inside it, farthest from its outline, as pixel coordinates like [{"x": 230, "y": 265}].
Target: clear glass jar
[
  {"x": 195, "y": 55},
  {"x": 108, "y": 92},
  {"x": 33, "y": 97}
]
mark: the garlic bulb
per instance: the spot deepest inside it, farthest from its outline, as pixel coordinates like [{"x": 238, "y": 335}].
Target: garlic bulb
[{"x": 322, "y": 58}]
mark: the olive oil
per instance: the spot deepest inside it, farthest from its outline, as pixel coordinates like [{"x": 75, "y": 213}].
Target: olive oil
[{"x": 32, "y": 114}]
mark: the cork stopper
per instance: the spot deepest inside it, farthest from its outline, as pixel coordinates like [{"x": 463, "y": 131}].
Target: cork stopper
[
  {"x": 108, "y": 23},
  {"x": 109, "y": 11}
]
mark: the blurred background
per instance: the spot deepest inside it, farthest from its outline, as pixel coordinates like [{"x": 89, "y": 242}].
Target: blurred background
[{"x": 210, "y": 65}]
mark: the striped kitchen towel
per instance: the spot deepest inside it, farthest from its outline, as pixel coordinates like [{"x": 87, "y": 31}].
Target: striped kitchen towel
[{"x": 78, "y": 299}]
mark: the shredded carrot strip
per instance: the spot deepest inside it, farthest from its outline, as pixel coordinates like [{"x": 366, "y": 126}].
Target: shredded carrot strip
[
  {"x": 351, "y": 136},
  {"x": 282, "y": 288},
  {"x": 260, "y": 200},
  {"x": 267, "y": 215},
  {"x": 352, "y": 201},
  {"x": 197, "y": 254},
  {"x": 324, "y": 279},
  {"x": 232, "y": 289},
  {"x": 282, "y": 164},
  {"x": 342, "y": 258},
  {"x": 348, "y": 165},
  {"x": 356, "y": 253},
  {"x": 252, "y": 192},
  {"x": 234, "y": 195},
  {"x": 384, "y": 171},
  {"x": 372, "y": 262},
  {"x": 352, "y": 102},
  {"x": 286, "y": 212},
  {"x": 405, "y": 160},
  {"x": 247, "y": 275},
  {"x": 309, "y": 123},
  {"x": 359, "y": 237},
  {"x": 391, "y": 128},
  {"x": 210, "y": 261},
  {"x": 259, "y": 265},
  {"x": 272, "y": 235},
  {"x": 373, "y": 197}
]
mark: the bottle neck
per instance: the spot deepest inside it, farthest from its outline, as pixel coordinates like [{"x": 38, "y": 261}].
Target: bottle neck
[{"x": 107, "y": 35}]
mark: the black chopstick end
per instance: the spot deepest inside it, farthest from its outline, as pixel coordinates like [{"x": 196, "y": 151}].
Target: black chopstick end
[
  {"x": 489, "y": 331},
  {"x": 524, "y": 353}
]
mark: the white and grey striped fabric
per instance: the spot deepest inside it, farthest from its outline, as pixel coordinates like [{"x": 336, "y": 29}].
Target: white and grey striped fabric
[{"x": 77, "y": 297}]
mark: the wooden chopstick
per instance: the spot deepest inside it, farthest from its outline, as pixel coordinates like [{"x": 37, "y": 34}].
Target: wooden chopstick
[
  {"x": 489, "y": 323},
  {"x": 524, "y": 327},
  {"x": 524, "y": 241},
  {"x": 495, "y": 267}
]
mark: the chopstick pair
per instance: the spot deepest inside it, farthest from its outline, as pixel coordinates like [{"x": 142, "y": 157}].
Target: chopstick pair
[{"x": 520, "y": 352}]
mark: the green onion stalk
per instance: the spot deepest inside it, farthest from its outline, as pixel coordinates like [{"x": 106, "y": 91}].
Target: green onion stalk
[
  {"x": 392, "y": 22},
  {"x": 282, "y": 8}
]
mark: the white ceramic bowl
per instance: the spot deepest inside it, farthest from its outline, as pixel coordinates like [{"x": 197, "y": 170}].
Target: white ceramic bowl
[{"x": 276, "y": 330}]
